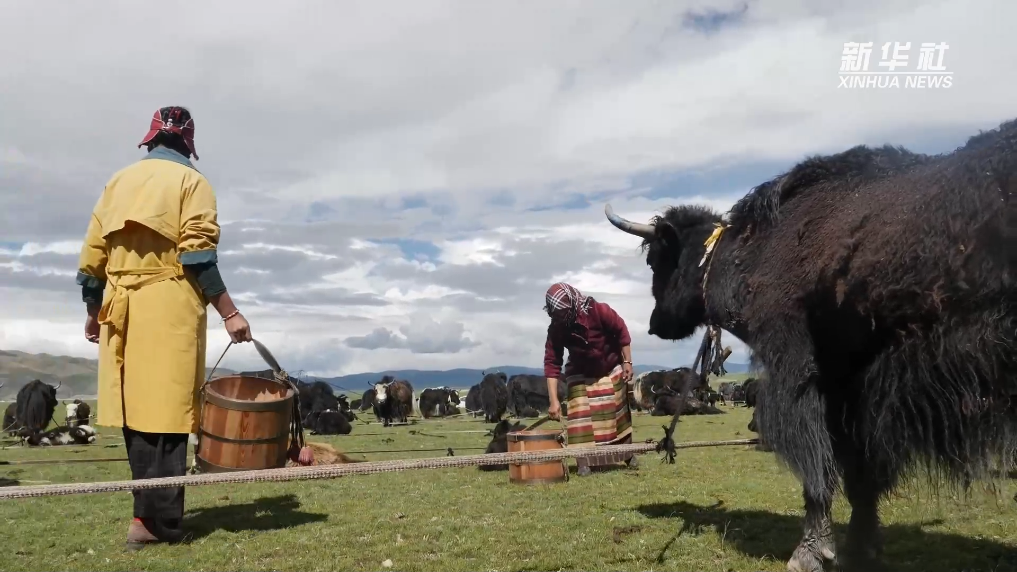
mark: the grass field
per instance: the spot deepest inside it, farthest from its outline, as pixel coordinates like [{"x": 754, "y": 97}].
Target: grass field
[{"x": 723, "y": 509}]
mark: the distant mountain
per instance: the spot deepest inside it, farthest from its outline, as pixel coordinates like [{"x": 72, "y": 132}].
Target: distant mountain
[
  {"x": 78, "y": 375},
  {"x": 461, "y": 378}
]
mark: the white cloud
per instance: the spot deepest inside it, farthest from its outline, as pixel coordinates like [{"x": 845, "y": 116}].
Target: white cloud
[{"x": 493, "y": 133}]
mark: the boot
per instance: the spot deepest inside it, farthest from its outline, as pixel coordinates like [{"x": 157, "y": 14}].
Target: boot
[
  {"x": 633, "y": 462},
  {"x": 145, "y": 531},
  {"x": 140, "y": 534}
]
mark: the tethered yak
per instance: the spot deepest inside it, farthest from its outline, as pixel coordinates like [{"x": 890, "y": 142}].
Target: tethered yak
[
  {"x": 878, "y": 289},
  {"x": 394, "y": 400},
  {"x": 36, "y": 404}
]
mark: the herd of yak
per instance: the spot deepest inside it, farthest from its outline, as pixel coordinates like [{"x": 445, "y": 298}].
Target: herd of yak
[
  {"x": 28, "y": 417},
  {"x": 877, "y": 290}
]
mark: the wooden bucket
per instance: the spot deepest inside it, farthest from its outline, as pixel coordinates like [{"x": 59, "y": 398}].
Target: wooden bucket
[
  {"x": 237, "y": 433},
  {"x": 536, "y": 473}
]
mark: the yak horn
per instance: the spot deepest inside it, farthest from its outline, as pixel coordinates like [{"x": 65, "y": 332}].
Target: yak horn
[
  {"x": 58, "y": 385},
  {"x": 634, "y": 228}
]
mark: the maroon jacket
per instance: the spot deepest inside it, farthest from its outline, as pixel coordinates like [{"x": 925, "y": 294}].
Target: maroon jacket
[{"x": 594, "y": 344}]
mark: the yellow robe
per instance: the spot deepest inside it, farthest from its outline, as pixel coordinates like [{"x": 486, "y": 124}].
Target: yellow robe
[{"x": 151, "y": 216}]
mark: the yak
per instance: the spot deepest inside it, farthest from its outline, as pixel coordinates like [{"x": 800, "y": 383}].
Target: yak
[
  {"x": 499, "y": 442},
  {"x": 78, "y": 413},
  {"x": 355, "y": 405},
  {"x": 328, "y": 423},
  {"x": 78, "y": 435},
  {"x": 877, "y": 288},
  {"x": 648, "y": 385},
  {"x": 666, "y": 403},
  {"x": 438, "y": 401},
  {"x": 494, "y": 396},
  {"x": 367, "y": 399},
  {"x": 474, "y": 406},
  {"x": 36, "y": 404},
  {"x": 11, "y": 424},
  {"x": 316, "y": 397},
  {"x": 528, "y": 395},
  {"x": 394, "y": 400}
]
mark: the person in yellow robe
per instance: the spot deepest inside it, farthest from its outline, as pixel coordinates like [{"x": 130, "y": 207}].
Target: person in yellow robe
[{"x": 148, "y": 269}]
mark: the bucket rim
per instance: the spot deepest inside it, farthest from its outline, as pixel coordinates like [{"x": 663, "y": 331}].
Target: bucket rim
[{"x": 288, "y": 394}]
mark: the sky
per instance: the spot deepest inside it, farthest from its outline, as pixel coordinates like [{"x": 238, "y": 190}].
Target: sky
[{"x": 398, "y": 183}]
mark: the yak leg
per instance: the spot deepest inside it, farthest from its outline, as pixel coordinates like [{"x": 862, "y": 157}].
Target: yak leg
[
  {"x": 792, "y": 414},
  {"x": 864, "y": 485}
]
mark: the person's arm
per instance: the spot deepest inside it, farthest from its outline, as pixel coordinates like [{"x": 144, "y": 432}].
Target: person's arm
[
  {"x": 553, "y": 356},
  {"x": 198, "y": 251},
  {"x": 91, "y": 274}
]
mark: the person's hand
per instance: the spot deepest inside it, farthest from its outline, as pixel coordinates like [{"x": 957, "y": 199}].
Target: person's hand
[
  {"x": 238, "y": 328},
  {"x": 92, "y": 329},
  {"x": 626, "y": 372},
  {"x": 554, "y": 411}
]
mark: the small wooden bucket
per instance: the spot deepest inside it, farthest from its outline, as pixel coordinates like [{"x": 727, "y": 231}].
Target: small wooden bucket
[
  {"x": 536, "y": 473},
  {"x": 237, "y": 433}
]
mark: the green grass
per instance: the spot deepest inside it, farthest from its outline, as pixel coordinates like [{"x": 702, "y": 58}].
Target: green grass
[{"x": 723, "y": 509}]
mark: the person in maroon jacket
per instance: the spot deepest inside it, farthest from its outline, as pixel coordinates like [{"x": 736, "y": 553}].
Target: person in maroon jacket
[{"x": 597, "y": 374}]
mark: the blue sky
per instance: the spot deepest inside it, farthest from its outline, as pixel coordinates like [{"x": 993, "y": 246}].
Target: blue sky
[{"x": 398, "y": 189}]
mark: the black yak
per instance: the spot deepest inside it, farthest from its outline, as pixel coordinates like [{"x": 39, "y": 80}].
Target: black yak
[
  {"x": 328, "y": 423},
  {"x": 499, "y": 442},
  {"x": 11, "y": 424},
  {"x": 474, "y": 406},
  {"x": 877, "y": 288},
  {"x": 36, "y": 404},
  {"x": 528, "y": 396},
  {"x": 648, "y": 385},
  {"x": 438, "y": 402},
  {"x": 494, "y": 396},
  {"x": 394, "y": 400},
  {"x": 367, "y": 399}
]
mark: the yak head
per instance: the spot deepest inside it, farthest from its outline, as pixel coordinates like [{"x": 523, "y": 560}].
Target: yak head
[
  {"x": 674, "y": 246},
  {"x": 453, "y": 397},
  {"x": 381, "y": 388}
]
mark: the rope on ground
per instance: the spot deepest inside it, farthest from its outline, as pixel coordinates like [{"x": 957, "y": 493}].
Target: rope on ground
[{"x": 333, "y": 471}]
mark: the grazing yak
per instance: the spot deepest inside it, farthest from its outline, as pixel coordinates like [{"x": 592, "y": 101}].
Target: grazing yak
[
  {"x": 878, "y": 289},
  {"x": 37, "y": 402},
  {"x": 394, "y": 400},
  {"x": 494, "y": 396},
  {"x": 367, "y": 400},
  {"x": 499, "y": 442},
  {"x": 11, "y": 424},
  {"x": 438, "y": 402},
  {"x": 528, "y": 396},
  {"x": 474, "y": 406},
  {"x": 78, "y": 413}
]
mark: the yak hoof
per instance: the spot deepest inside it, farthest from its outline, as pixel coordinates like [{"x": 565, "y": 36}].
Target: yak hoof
[{"x": 810, "y": 555}]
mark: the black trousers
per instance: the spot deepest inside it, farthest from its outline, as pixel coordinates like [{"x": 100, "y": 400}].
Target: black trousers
[{"x": 153, "y": 455}]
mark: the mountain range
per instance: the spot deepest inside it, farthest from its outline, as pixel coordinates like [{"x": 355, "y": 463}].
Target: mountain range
[{"x": 78, "y": 375}]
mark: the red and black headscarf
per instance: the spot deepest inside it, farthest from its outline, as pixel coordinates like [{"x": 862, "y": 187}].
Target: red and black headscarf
[
  {"x": 173, "y": 119},
  {"x": 562, "y": 296}
]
